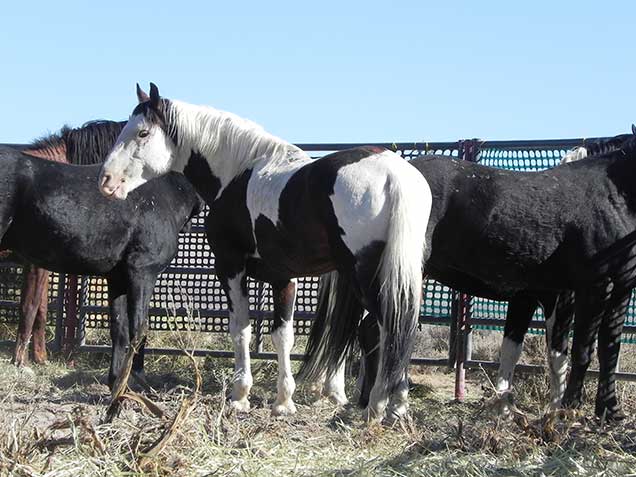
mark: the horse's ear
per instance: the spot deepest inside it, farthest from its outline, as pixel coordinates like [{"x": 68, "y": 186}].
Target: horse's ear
[
  {"x": 154, "y": 96},
  {"x": 142, "y": 97},
  {"x": 633, "y": 129}
]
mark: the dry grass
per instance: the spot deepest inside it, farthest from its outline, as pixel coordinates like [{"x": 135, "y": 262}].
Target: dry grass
[{"x": 52, "y": 421}]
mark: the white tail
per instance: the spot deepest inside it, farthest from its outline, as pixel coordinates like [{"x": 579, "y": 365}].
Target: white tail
[{"x": 400, "y": 272}]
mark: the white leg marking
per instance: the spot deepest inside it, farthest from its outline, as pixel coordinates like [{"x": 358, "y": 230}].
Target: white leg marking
[
  {"x": 399, "y": 405},
  {"x": 283, "y": 339},
  {"x": 557, "y": 365},
  {"x": 240, "y": 330},
  {"x": 508, "y": 358},
  {"x": 334, "y": 387}
]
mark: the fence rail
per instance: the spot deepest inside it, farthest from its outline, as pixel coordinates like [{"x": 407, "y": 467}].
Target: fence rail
[{"x": 188, "y": 293}]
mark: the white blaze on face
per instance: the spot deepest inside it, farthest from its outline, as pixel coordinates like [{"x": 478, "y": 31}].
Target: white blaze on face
[{"x": 142, "y": 151}]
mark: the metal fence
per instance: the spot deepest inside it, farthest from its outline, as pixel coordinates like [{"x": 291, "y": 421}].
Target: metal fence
[{"x": 189, "y": 287}]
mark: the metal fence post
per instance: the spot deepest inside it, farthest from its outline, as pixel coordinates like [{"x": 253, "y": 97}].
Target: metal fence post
[
  {"x": 461, "y": 346},
  {"x": 71, "y": 322},
  {"x": 468, "y": 151},
  {"x": 59, "y": 313},
  {"x": 258, "y": 328}
]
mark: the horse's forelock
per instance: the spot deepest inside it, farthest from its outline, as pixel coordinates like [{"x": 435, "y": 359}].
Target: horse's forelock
[{"x": 161, "y": 116}]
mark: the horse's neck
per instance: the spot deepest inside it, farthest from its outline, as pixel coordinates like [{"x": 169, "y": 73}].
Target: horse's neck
[{"x": 232, "y": 145}]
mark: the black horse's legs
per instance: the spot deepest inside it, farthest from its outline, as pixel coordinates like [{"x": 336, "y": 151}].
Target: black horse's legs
[
  {"x": 518, "y": 317},
  {"x": 609, "y": 343},
  {"x": 284, "y": 294},
  {"x": 589, "y": 308},
  {"x": 369, "y": 339},
  {"x": 559, "y": 316},
  {"x": 118, "y": 326},
  {"x": 140, "y": 287}
]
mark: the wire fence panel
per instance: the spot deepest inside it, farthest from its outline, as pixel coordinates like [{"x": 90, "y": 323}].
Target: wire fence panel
[{"x": 188, "y": 294}]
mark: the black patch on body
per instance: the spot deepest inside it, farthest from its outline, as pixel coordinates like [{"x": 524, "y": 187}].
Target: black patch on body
[{"x": 198, "y": 172}]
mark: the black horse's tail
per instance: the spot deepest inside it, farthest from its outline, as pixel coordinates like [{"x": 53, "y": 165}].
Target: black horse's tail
[{"x": 334, "y": 329}]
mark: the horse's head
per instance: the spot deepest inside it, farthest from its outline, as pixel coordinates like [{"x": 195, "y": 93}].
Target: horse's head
[{"x": 144, "y": 149}]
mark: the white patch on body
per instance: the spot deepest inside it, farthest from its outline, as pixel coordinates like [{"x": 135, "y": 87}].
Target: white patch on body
[
  {"x": 266, "y": 184},
  {"x": 359, "y": 202}
]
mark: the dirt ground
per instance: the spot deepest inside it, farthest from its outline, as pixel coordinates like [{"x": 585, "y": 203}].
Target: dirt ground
[{"x": 52, "y": 424}]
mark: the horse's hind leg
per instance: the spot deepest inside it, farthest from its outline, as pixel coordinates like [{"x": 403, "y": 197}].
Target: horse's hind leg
[
  {"x": 589, "y": 307},
  {"x": 39, "y": 326},
  {"x": 283, "y": 338},
  {"x": 369, "y": 339},
  {"x": 36, "y": 280},
  {"x": 559, "y": 316}
]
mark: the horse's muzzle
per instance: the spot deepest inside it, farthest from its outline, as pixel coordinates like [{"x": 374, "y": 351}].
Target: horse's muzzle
[{"x": 109, "y": 186}]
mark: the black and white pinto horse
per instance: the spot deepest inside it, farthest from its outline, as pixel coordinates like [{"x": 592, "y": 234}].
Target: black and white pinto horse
[
  {"x": 52, "y": 216},
  {"x": 276, "y": 214},
  {"x": 527, "y": 237}
]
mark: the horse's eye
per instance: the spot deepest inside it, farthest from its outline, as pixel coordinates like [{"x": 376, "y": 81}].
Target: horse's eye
[{"x": 143, "y": 133}]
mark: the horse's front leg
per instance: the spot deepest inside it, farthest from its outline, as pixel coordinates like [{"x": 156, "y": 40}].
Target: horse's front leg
[
  {"x": 283, "y": 339},
  {"x": 118, "y": 311},
  {"x": 233, "y": 277}
]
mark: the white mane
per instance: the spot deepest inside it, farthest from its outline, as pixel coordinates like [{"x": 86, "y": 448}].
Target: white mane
[
  {"x": 230, "y": 143},
  {"x": 575, "y": 154}
]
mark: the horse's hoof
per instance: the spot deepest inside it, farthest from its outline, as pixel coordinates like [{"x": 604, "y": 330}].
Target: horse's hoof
[
  {"x": 613, "y": 414},
  {"x": 26, "y": 371},
  {"x": 339, "y": 399},
  {"x": 242, "y": 405},
  {"x": 284, "y": 409},
  {"x": 503, "y": 404},
  {"x": 372, "y": 418},
  {"x": 396, "y": 415}
]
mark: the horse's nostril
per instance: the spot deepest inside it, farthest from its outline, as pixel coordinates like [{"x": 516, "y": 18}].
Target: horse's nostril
[{"x": 106, "y": 178}]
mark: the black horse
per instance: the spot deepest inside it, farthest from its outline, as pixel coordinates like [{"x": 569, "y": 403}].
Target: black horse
[
  {"x": 527, "y": 237},
  {"x": 81, "y": 146},
  {"x": 52, "y": 215}
]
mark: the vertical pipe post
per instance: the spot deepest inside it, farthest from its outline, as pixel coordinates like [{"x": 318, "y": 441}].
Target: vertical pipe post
[
  {"x": 59, "y": 312},
  {"x": 71, "y": 322},
  {"x": 260, "y": 304},
  {"x": 468, "y": 151}
]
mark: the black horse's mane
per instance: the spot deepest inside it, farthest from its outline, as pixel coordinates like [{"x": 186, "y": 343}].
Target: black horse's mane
[
  {"x": 623, "y": 142},
  {"x": 85, "y": 145}
]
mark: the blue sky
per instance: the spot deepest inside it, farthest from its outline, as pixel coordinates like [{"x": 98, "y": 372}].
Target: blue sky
[{"x": 328, "y": 71}]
